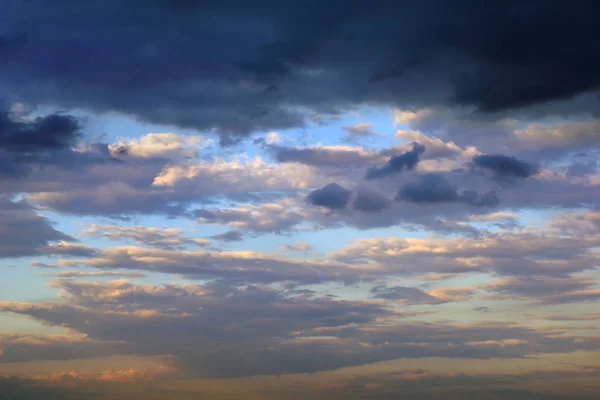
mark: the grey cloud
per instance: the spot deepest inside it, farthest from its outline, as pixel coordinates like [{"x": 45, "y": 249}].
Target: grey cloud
[
  {"x": 455, "y": 385},
  {"x": 582, "y": 168},
  {"x": 534, "y": 259},
  {"x": 30, "y": 145},
  {"x": 324, "y": 156},
  {"x": 18, "y": 347},
  {"x": 266, "y": 78},
  {"x": 165, "y": 238},
  {"x": 332, "y": 196},
  {"x": 23, "y": 232},
  {"x": 397, "y": 164},
  {"x": 281, "y": 216},
  {"x": 95, "y": 274},
  {"x": 298, "y": 247},
  {"x": 505, "y": 166},
  {"x": 430, "y": 188},
  {"x": 477, "y": 199},
  {"x": 370, "y": 201},
  {"x": 69, "y": 249},
  {"x": 546, "y": 290},
  {"x": 229, "y": 236},
  {"x": 434, "y": 188},
  {"x": 401, "y": 293},
  {"x": 238, "y": 267},
  {"x": 228, "y": 331},
  {"x": 16, "y": 388},
  {"x": 51, "y": 132}
]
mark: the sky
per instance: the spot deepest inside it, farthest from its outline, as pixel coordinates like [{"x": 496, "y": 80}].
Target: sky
[{"x": 287, "y": 200}]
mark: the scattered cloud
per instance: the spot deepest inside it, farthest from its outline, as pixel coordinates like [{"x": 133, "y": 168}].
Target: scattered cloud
[
  {"x": 397, "y": 164},
  {"x": 332, "y": 196}
]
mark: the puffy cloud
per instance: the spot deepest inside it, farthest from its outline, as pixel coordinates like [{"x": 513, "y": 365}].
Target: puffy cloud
[
  {"x": 161, "y": 188},
  {"x": 434, "y": 147},
  {"x": 220, "y": 176},
  {"x": 279, "y": 216},
  {"x": 332, "y": 196},
  {"x": 505, "y": 166},
  {"x": 432, "y": 188},
  {"x": 397, "y": 164},
  {"x": 370, "y": 201},
  {"x": 167, "y": 145}
]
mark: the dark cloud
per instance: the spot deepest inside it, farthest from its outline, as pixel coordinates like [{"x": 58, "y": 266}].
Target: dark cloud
[
  {"x": 185, "y": 66},
  {"x": 332, "y": 196},
  {"x": 50, "y": 132},
  {"x": 397, "y": 164},
  {"x": 505, "y": 166},
  {"x": 477, "y": 199},
  {"x": 483, "y": 309},
  {"x": 29, "y": 145},
  {"x": 23, "y": 232},
  {"x": 369, "y": 201},
  {"x": 435, "y": 188},
  {"x": 431, "y": 188}
]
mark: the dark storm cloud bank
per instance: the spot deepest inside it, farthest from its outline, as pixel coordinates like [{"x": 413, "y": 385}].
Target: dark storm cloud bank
[{"x": 237, "y": 67}]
